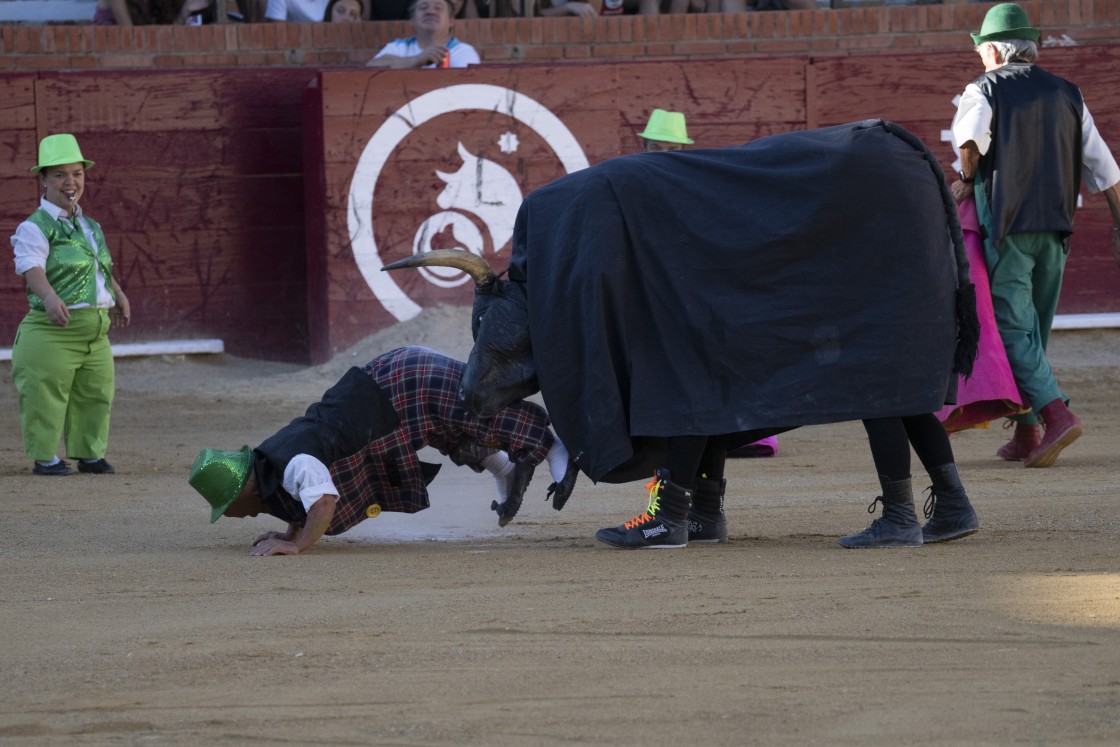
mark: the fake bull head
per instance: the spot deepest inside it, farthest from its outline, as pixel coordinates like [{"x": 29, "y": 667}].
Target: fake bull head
[{"x": 500, "y": 369}]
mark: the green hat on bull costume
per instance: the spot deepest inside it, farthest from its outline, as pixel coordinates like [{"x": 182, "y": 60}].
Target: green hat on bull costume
[
  {"x": 668, "y": 127},
  {"x": 219, "y": 476},
  {"x": 59, "y": 150},
  {"x": 1006, "y": 21}
]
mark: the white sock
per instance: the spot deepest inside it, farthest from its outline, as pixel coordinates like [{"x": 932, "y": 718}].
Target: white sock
[
  {"x": 557, "y": 460},
  {"x": 49, "y": 463},
  {"x": 499, "y": 465}
]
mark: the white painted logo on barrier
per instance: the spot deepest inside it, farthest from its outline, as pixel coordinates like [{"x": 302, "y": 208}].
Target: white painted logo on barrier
[{"x": 481, "y": 192}]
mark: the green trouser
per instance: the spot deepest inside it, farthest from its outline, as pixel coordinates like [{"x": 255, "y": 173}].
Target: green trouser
[
  {"x": 65, "y": 380},
  {"x": 1026, "y": 282}
]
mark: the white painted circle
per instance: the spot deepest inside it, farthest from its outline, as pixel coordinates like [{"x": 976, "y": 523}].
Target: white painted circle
[{"x": 397, "y": 127}]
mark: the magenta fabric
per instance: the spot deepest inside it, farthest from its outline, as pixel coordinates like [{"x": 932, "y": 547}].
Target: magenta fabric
[
  {"x": 991, "y": 393},
  {"x": 765, "y": 447}
]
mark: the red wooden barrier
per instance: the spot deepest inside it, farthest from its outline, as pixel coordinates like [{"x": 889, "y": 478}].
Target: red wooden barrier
[{"x": 204, "y": 177}]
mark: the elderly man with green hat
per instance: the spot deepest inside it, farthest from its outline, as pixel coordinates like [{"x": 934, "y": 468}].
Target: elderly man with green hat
[
  {"x": 62, "y": 365},
  {"x": 665, "y": 131},
  {"x": 1026, "y": 141},
  {"x": 353, "y": 453}
]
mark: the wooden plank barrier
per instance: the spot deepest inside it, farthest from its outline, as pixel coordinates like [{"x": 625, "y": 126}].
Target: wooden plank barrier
[{"x": 257, "y": 205}]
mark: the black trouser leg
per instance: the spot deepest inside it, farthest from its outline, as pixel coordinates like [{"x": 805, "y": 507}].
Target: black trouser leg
[
  {"x": 686, "y": 453},
  {"x": 890, "y": 447},
  {"x": 929, "y": 439}
]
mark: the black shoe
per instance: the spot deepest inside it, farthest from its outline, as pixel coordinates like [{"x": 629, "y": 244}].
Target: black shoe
[
  {"x": 100, "y": 467},
  {"x": 948, "y": 520},
  {"x": 515, "y": 492},
  {"x": 653, "y": 528},
  {"x": 897, "y": 527},
  {"x": 55, "y": 470},
  {"x": 703, "y": 529}
]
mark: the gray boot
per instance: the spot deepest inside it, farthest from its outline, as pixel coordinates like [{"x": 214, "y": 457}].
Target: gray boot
[
  {"x": 897, "y": 527},
  {"x": 947, "y": 508},
  {"x": 707, "y": 524}
]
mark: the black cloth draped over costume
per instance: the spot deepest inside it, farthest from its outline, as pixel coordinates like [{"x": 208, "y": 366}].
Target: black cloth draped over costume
[{"x": 808, "y": 277}]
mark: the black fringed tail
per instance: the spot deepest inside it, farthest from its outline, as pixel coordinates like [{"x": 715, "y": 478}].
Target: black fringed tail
[{"x": 968, "y": 331}]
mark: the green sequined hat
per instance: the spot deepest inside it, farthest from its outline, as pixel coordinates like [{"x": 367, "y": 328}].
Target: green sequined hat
[
  {"x": 219, "y": 477},
  {"x": 59, "y": 150},
  {"x": 1006, "y": 21}
]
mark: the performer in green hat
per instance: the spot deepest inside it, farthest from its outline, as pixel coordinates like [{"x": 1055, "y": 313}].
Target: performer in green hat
[
  {"x": 665, "y": 131},
  {"x": 354, "y": 453},
  {"x": 61, "y": 361},
  {"x": 1026, "y": 140}
]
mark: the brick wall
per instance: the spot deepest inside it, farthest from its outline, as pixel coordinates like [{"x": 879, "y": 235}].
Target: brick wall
[{"x": 820, "y": 32}]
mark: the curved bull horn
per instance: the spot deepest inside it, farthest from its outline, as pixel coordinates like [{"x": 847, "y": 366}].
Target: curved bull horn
[{"x": 472, "y": 264}]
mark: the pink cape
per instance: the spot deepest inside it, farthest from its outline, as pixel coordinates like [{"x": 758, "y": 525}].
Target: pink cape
[
  {"x": 762, "y": 448},
  {"x": 991, "y": 392}
]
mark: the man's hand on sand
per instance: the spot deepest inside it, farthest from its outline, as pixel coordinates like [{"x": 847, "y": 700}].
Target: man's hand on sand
[{"x": 274, "y": 543}]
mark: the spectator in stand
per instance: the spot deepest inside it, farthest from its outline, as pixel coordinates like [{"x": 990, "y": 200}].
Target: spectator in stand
[
  {"x": 296, "y": 11},
  {"x": 150, "y": 12},
  {"x": 653, "y": 7},
  {"x": 344, "y": 11},
  {"x": 665, "y": 131},
  {"x": 431, "y": 46}
]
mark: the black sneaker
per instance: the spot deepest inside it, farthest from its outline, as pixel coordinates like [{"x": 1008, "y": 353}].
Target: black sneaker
[
  {"x": 54, "y": 470},
  {"x": 100, "y": 467},
  {"x": 707, "y": 530},
  {"x": 652, "y": 528}
]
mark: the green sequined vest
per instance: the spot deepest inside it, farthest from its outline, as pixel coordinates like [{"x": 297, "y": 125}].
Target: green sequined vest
[{"x": 71, "y": 261}]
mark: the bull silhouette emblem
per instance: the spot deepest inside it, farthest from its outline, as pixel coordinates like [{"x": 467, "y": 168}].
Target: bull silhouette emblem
[{"x": 482, "y": 193}]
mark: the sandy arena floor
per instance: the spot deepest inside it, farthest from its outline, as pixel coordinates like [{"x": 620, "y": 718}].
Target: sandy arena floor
[{"x": 128, "y": 619}]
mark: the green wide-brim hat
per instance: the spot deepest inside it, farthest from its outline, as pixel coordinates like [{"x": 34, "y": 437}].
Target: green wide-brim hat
[
  {"x": 219, "y": 477},
  {"x": 668, "y": 127},
  {"x": 59, "y": 150},
  {"x": 1006, "y": 21}
]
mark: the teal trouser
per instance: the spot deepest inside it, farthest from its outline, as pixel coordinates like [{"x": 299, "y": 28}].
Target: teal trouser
[
  {"x": 65, "y": 380},
  {"x": 1026, "y": 280}
]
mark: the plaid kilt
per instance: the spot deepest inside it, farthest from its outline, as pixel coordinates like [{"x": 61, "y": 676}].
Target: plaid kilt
[{"x": 423, "y": 387}]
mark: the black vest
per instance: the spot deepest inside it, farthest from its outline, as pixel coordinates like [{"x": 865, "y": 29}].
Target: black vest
[
  {"x": 351, "y": 414},
  {"x": 1032, "y": 171}
]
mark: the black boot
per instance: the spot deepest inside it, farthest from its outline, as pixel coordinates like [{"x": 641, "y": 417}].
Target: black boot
[
  {"x": 707, "y": 523},
  {"x": 947, "y": 508},
  {"x": 897, "y": 527},
  {"x": 664, "y": 523}
]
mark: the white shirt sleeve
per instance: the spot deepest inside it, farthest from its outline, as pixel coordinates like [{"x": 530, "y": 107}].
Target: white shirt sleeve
[
  {"x": 1100, "y": 169},
  {"x": 973, "y": 120},
  {"x": 30, "y": 247},
  {"x": 463, "y": 55},
  {"x": 308, "y": 479},
  {"x": 277, "y": 10}
]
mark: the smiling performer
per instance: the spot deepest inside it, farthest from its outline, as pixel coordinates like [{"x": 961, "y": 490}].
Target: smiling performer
[
  {"x": 61, "y": 361},
  {"x": 354, "y": 453}
]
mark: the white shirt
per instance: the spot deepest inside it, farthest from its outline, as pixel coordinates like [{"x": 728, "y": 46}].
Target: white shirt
[
  {"x": 461, "y": 54},
  {"x": 308, "y": 479},
  {"x": 31, "y": 250},
  {"x": 296, "y": 11},
  {"x": 973, "y": 121}
]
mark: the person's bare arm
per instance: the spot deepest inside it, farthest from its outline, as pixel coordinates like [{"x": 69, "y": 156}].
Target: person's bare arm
[
  {"x": 120, "y": 12},
  {"x": 1112, "y": 194},
  {"x": 56, "y": 309},
  {"x": 433, "y": 55},
  {"x": 121, "y": 314},
  {"x": 970, "y": 157},
  {"x": 318, "y": 519}
]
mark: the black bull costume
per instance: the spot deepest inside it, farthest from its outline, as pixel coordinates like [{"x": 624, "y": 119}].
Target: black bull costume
[{"x": 803, "y": 278}]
